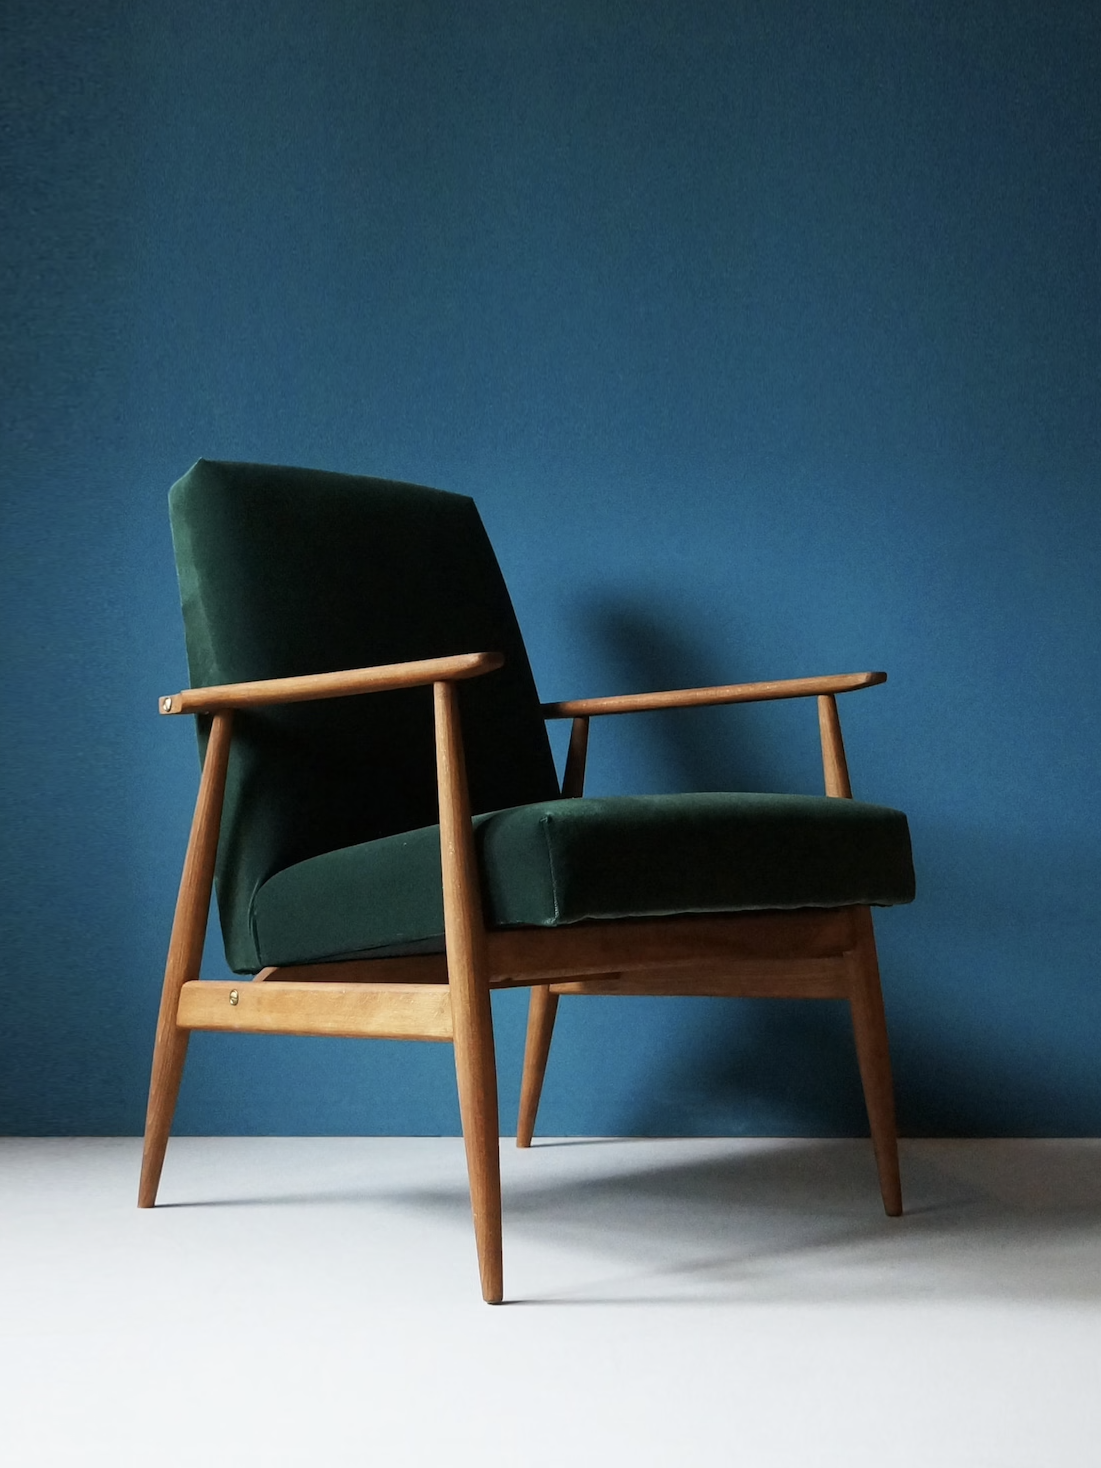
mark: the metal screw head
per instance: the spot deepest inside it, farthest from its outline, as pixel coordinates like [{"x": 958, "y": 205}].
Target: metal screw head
[
  {"x": 234, "y": 996},
  {"x": 166, "y": 704}
]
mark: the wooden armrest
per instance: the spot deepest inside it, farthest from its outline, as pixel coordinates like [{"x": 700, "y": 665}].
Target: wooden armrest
[
  {"x": 330, "y": 685},
  {"x": 636, "y": 703}
]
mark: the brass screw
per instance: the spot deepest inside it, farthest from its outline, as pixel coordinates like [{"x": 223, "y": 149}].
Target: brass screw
[{"x": 234, "y": 996}]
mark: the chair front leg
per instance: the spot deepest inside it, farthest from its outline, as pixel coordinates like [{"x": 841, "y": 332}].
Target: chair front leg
[
  {"x": 468, "y": 979},
  {"x": 185, "y": 955},
  {"x": 873, "y": 1055}
]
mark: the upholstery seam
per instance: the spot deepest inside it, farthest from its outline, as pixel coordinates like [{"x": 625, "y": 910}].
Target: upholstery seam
[{"x": 544, "y": 822}]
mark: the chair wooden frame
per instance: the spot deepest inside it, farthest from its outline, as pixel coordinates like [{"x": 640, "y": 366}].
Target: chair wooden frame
[{"x": 806, "y": 954}]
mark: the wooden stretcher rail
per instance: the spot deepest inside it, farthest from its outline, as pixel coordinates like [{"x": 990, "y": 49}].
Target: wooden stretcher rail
[
  {"x": 812, "y": 978},
  {"x": 541, "y": 955},
  {"x": 368, "y": 1011},
  {"x": 808, "y": 942},
  {"x": 417, "y": 968}
]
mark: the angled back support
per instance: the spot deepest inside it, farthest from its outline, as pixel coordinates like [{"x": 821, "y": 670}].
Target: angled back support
[{"x": 291, "y": 571}]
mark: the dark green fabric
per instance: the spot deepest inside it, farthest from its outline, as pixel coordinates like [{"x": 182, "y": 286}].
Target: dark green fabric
[
  {"x": 565, "y": 861},
  {"x": 290, "y": 571}
]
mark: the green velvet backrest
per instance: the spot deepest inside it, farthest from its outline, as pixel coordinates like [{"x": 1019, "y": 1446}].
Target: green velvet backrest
[{"x": 290, "y": 571}]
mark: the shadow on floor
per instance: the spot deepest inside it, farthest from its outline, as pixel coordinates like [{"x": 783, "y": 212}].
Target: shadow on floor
[{"x": 762, "y": 1221}]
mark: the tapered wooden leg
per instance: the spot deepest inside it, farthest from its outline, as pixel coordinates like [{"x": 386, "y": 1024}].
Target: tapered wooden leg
[
  {"x": 541, "y": 1011},
  {"x": 870, "y": 1031},
  {"x": 185, "y": 954},
  {"x": 476, "y": 1072},
  {"x": 468, "y": 981},
  {"x": 169, "y": 1055}
]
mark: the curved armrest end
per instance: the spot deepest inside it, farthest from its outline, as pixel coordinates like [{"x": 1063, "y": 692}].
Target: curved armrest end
[{"x": 330, "y": 685}]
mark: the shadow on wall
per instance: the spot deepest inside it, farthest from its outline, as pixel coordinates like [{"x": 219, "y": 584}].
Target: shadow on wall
[
  {"x": 639, "y": 649},
  {"x": 978, "y": 1051},
  {"x": 742, "y": 1065}
]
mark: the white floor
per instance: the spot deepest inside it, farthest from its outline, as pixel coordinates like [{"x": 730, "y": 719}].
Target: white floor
[{"x": 314, "y": 1301}]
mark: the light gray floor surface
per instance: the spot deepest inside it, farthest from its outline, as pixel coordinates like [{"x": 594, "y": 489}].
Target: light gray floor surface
[{"x": 314, "y": 1301}]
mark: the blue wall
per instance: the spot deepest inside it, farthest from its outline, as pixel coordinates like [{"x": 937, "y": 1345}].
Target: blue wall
[{"x": 766, "y": 336}]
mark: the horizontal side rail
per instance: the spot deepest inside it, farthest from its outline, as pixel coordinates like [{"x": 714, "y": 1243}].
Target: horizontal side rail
[
  {"x": 539, "y": 955},
  {"x": 812, "y": 978},
  {"x": 368, "y": 1011}
]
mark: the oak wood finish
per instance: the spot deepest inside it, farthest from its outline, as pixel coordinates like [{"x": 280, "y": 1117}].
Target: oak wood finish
[
  {"x": 375, "y": 1011},
  {"x": 185, "y": 953},
  {"x": 781, "y": 955},
  {"x": 538, "y": 955},
  {"x": 874, "y": 1057},
  {"x": 534, "y": 957},
  {"x": 850, "y": 972},
  {"x": 835, "y": 767},
  {"x": 541, "y": 1011},
  {"x": 468, "y": 976},
  {"x": 330, "y": 685},
  {"x": 637, "y": 703},
  {"x": 416, "y": 968},
  {"x": 193, "y": 904},
  {"x": 808, "y": 978}
]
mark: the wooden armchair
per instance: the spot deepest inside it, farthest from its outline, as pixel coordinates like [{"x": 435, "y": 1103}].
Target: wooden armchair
[{"x": 357, "y": 914}]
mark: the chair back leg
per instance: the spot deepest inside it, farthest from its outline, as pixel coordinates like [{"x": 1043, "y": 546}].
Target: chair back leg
[
  {"x": 873, "y": 1055},
  {"x": 542, "y": 1007}
]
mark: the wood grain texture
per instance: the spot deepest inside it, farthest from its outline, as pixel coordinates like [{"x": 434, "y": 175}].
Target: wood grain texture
[
  {"x": 541, "y": 1011},
  {"x": 185, "y": 953},
  {"x": 835, "y": 767},
  {"x": 416, "y": 968},
  {"x": 375, "y": 1011},
  {"x": 874, "y": 1057},
  {"x": 538, "y": 955},
  {"x": 330, "y": 685},
  {"x": 468, "y": 974},
  {"x": 809, "y": 978},
  {"x": 634, "y": 703}
]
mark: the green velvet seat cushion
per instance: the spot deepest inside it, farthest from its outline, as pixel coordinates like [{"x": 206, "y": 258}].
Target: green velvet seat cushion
[{"x": 566, "y": 861}]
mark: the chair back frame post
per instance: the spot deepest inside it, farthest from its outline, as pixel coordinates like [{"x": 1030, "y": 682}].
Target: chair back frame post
[
  {"x": 543, "y": 1005},
  {"x": 185, "y": 954},
  {"x": 573, "y": 779},
  {"x": 468, "y": 980}
]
